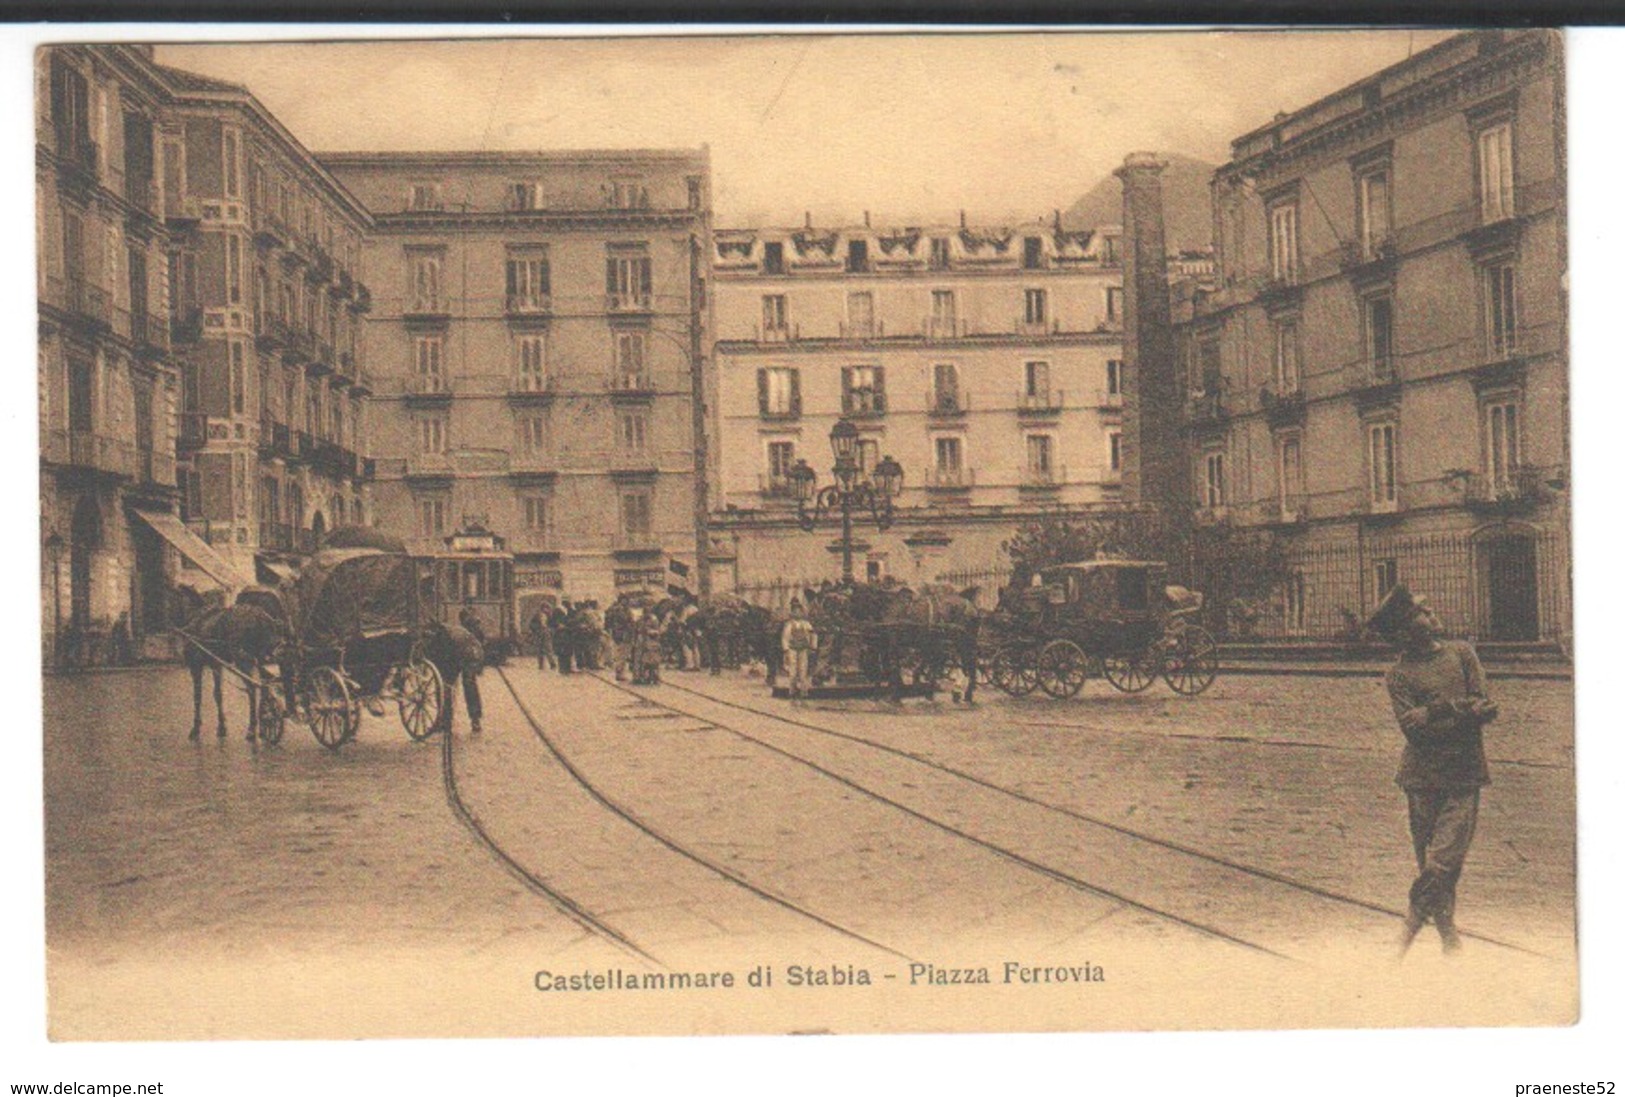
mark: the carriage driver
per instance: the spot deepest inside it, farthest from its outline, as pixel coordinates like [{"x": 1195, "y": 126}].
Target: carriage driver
[
  {"x": 1438, "y": 694},
  {"x": 799, "y": 640}
]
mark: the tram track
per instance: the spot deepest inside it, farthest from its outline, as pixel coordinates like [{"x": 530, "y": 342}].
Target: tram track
[{"x": 1257, "y": 873}]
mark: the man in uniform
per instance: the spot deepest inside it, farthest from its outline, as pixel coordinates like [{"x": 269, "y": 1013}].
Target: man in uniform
[
  {"x": 799, "y": 640},
  {"x": 1438, "y": 694}
]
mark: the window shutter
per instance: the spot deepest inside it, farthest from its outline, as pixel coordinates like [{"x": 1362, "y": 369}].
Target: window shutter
[
  {"x": 513, "y": 279},
  {"x": 609, "y": 276},
  {"x": 761, "y": 391},
  {"x": 645, "y": 278},
  {"x": 795, "y": 392},
  {"x": 880, "y": 388},
  {"x": 846, "y": 388},
  {"x": 546, "y": 286}
]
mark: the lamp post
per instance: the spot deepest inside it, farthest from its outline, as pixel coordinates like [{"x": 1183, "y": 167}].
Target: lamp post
[{"x": 852, "y": 490}]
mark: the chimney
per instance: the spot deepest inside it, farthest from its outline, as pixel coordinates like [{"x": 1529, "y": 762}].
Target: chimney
[
  {"x": 961, "y": 218},
  {"x": 1155, "y": 469},
  {"x": 809, "y": 220},
  {"x": 865, "y": 218}
]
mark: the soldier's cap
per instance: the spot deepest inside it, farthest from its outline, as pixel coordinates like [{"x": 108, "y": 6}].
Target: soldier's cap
[{"x": 1396, "y": 610}]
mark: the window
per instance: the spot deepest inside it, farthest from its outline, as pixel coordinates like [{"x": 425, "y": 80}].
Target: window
[
  {"x": 857, "y": 256},
  {"x": 1114, "y": 377},
  {"x": 233, "y": 180},
  {"x": 1500, "y": 312},
  {"x": 1284, "y": 243},
  {"x": 1114, "y": 450},
  {"x": 775, "y": 317},
  {"x": 631, "y": 366},
  {"x": 1109, "y": 249},
  {"x": 532, "y": 355},
  {"x": 860, "y": 314},
  {"x": 863, "y": 390},
  {"x": 628, "y": 193},
  {"x": 425, "y": 289},
  {"x": 1040, "y": 456},
  {"x": 1374, "y": 210},
  {"x": 533, "y": 434},
  {"x": 424, "y": 198},
  {"x": 1114, "y": 304},
  {"x": 1289, "y": 474},
  {"x": 636, "y": 514},
  {"x": 1032, "y": 252},
  {"x": 945, "y": 387},
  {"x": 536, "y": 513},
  {"x": 432, "y": 435},
  {"x": 1213, "y": 483},
  {"x": 944, "y": 313},
  {"x": 773, "y": 258},
  {"x": 528, "y": 283},
  {"x": 632, "y": 430},
  {"x": 426, "y": 350},
  {"x": 778, "y": 392},
  {"x": 239, "y": 381},
  {"x": 781, "y": 458},
  {"x": 1495, "y": 171},
  {"x": 234, "y": 269},
  {"x": 868, "y": 455},
  {"x": 628, "y": 280},
  {"x": 1379, "y": 337},
  {"x": 1286, "y": 357},
  {"x": 939, "y": 253},
  {"x": 1036, "y": 307},
  {"x": 1502, "y": 451},
  {"x": 948, "y": 452},
  {"x": 1383, "y": 466},
  {"x": 1385, "y": 575},
  {"x": 524, "y": 196},
  {"x": 1037, "y": 380},
  {"x": 431, "y": 517}
]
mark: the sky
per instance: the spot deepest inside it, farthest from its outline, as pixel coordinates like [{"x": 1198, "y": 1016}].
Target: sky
[{"x": 910, "y": 127}]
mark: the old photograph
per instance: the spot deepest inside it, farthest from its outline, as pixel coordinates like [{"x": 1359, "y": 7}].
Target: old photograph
[{"x": 727, "y": 533}]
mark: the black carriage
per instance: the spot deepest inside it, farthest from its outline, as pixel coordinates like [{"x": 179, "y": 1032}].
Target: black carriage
[
  {"x": 355, "y": 637},
  {"x": 1116, "y": 618}
]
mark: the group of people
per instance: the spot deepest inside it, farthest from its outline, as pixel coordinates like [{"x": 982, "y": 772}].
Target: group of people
[
  {"x": 633, "y": 640},
  {"x": 568, "y": 637}
]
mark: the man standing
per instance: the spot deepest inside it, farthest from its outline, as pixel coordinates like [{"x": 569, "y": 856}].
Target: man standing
[
  {"x": 1438, "y": 694},
  {"x": 456, "y": 653},
  {"x": 799, "y": 641},
  {"x": 563, "y": 640}
]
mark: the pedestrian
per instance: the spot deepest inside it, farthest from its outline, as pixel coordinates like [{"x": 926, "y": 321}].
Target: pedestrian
[
  {"x": 536, "y": 633},
  {"x": 118, "y": 642},
  {"x": 563, "y": 641},
  {"x": 618, "y": 626},
  {"x": 1438, "y": 695},
  {"x": 799, "y": 641},
  {"x": 647, "y": 671},
  {"x": 456, "y": 653}
]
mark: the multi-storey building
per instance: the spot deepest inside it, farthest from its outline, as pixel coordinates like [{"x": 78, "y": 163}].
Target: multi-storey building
[
  {"x": 986, "y": 361},
  {"x": 107, "y": 383},
  {"x": 1378, "y": 371},
  {"x": 537, "y": 349},
  {"x": 265, "y": 303}
]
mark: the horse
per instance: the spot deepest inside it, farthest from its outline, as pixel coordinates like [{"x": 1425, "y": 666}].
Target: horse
[
  {"x": 938, "y": 626},
  {"x": 214, "y": 636}
]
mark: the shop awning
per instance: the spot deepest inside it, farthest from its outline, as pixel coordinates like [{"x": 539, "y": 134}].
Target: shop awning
[{"x": 195, "y": 549}]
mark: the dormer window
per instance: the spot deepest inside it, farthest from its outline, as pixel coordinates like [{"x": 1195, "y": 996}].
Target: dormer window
[
  {"x": 425, "y": 198},
  {"x": 628, "y": 194},
  {"x": 773, "y": 258},
  {"x": 857, "y": 256},
  {"x": 939, "y": 253},
  {"x": 524, "y": 196}
]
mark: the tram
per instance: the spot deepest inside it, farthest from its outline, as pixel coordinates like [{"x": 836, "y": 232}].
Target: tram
[{"x": 475, "y": 573}]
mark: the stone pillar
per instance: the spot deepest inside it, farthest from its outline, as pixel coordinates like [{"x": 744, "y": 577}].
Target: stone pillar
[{"x": 1155, "y": 468}]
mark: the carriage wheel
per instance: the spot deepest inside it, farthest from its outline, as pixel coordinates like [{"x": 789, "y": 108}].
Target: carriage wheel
[
  {"x": 1014, "y": 670},
  {"x": 1191, "y": 661},
  {"x": 273, "y": 721},
  {"x": 420, "y": 698},
  {"x": 328, "y": 701},
  {"x": 986, "y": 659},
  {"x": 1062, "y": 668},
  {"x": 1132, "y": 673}
]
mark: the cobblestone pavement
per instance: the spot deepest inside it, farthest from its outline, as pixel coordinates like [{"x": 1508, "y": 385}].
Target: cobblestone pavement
[{"x": 217, "y": 888}]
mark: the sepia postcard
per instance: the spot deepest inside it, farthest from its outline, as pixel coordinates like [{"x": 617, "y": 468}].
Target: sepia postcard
[{"x": 722, "y": 534}]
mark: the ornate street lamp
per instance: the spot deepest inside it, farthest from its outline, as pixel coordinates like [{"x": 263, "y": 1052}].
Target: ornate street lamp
[{"x": 852, "y": 490}]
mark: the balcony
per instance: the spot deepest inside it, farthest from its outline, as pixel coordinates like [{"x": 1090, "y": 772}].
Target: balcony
[
  {"x": 347, "y": 367},
  {"x": 1516, "y": 490},
  {"x": 874, "y": 329},
  {"x": 149, "y": 333},
  {"x": 429, "y": 468},
  {"x": 778, "y": 333},
  {"x": 630, "y": 385},
  {"x": 271, "y": 333},
  {"x": 775, "y": 487},
  {"x": 363, "y": 297},
  {"x": 634, "y": 464},
  {"x": 427, "y": 312},
  {"x": 533, "y": 466},
  {"x": 1369, "y": 260},
  {"x": 1042, "y": 403},
  {"x": 530, "y": 391},
  {"x": 949, "y": 479},
  {"x": 1282, "y": 407},
  {"x": 1280, "y": 290},
  {"x": 1108, "y": 399},
  {"x": 945, "y": 327},
  {"x": 193, "y": 431},
  {"x": 1043, "y": 479},
  {"x": 529, "y": 304},
  {"x": 1205, "y": 408},
  {"x": 320, "y": 359},
  {"x": 91, "y": 451},
  {"x": 86, "y": 303},
  {"x": 320, "y": 270},
  {"x": 1286, "y": 512},
  {"x": 155, "y": 469},
  {"x": 427, "y": 390},
  {"x": 77, "y": 157},
  {"x": 269, "y": 232},
  {"x": 1377, "y": 387},
  {"x": 949, "y": 405},
  {"x": 636, "y": 542},
  {"x": 298, "y": 347},
  {"x": 268, "y": 438},
  {"x": 301, "y": 446},
  {"x": 621, "y": 303},
  {"x": 186, "y": 327},
  {"x": 1207, "y": 515},
  {"x": 343, "y": 286}
]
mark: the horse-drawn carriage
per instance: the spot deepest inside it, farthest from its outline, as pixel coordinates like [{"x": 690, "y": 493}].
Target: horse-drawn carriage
[
  {"x": 876, "y": 636},
  {"x": 349, "y": 631},
  {"x": 1116, "y": 618}
]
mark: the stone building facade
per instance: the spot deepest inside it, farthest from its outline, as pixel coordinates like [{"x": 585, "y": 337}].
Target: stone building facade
[
  {"x": 1378, "y": 370},
  {"x": 537, "y": 348},
  {"x": 987, "y": 361}
]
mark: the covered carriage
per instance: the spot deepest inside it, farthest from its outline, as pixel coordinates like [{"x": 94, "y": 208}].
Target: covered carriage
[{"x": 1118, "y": 618}]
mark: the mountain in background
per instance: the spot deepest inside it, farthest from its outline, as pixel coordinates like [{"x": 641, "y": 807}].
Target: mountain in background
[{"x": 1184, "y": 198}]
